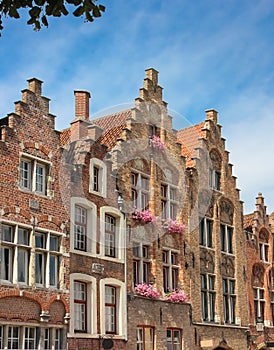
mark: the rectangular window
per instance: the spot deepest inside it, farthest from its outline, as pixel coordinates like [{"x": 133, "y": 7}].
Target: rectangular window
[
  {"x": 145, "y": 338},
  {"x": 15, "y": 247},
  {"x": 170, "y": 270},
  {"x": 215, "y": 179},
  {"x": 110, "y": 236},
  {"x": 174, "y": 339},
  {"x": 80, "y": 228},
  {"x": 141, "y": 263},
  {"x": 229, "y": 298},
  {"x": 80, "y": 307},
  {"x": 205, "y": 232},
  {"x": 259, "y": 303},
  {"x": 1, "y": 337},
  {"x": 139, "y": 191},
  {"x": 169, "y": 203},
  {"x": 264, "y": 248},
  {"x": 30, "y": 338},
  {"x": 96, "y": 179},
  {"x": 110, "y": 310},
  {"x": 226, "y": 233},
  {"x": 47, "y": 337},
  {"x": 58, "y": 339},
  {"x": 208, "y": 297},
  {"x": 13, "y": 338},
  {"x": 47, "y": 259},
  {"x": 33, "y": 175}
]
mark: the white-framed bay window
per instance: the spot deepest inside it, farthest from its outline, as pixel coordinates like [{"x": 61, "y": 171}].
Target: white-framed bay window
[
  {"x": 113, "y": 307},
  {"x": 83, "y": 226},
  {"x": 83, "y": 304},
  {"x": 98, "y": 177},
  {"x": 112, "y": 233}
]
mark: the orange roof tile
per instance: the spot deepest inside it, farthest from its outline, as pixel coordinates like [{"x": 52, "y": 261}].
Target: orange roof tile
[
  {"x": 64, "y": 136},
  {"x": 189, "y": 139}
]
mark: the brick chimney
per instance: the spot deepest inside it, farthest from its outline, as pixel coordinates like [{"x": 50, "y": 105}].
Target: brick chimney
[
  {"x": 82, "y": 104},
  {"x": 35, "y": 85}
]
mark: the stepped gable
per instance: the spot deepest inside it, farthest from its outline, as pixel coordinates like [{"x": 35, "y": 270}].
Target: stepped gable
[
  {"x": 189, "y": 140},
  {"x": 113, "y": 126},
  {"x": 248, "y": 220}
]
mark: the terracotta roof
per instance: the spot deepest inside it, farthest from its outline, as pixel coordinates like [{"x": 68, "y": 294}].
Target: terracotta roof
[
  {"x": 114, "y": 120},
  {"x": 189, "y": 139},
  {"x": 113, "y": 126},
  {"x": 64, "y": 136},
  {"x": 248, "y": 220}
]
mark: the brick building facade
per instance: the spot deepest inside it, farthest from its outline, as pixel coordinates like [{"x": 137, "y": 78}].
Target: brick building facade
[{"x": 123, "y": 233}]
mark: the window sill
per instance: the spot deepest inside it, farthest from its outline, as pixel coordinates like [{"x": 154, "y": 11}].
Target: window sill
[
  {"x": 98, "y": 193},
  {"x": 41, "y": 195}
]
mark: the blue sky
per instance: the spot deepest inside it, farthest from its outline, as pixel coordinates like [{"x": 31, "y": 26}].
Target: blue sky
[{"x": 209, "y": 53}]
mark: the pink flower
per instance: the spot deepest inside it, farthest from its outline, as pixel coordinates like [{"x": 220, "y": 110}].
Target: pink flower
[
  {"x": 143, "y": 216},
  {"x": 156, "y": 142},
  {"x": 173, "y": 226},
  {"x": 176, "y": 296},
  {"x": 147, "y": 290}
]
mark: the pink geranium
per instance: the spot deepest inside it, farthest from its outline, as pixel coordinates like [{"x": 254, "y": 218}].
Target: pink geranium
[
  {"x": 156, "y": 142},
  {"x": 176, "y": 296},
  {"x": 147, "y": 290},
  {"x": 174, "y": 226},
  {"x": 143, "y": 216}
]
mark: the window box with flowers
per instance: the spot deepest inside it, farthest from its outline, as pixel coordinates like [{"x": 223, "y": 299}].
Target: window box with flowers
[
  {"x": 147, "y": 290},
  {"x": 173, "y": 226},
  {"x": 157, "y": 143},
  {"x": 143, "y": 216},
  {"x": 176, "y": 296}
]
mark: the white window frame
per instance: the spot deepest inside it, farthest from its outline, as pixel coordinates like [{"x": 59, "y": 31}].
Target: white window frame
[
  {"x": 171, "y": 268},
  {"x": 229, "y": 296},
  {"x": 142, "y": 262},
  {"x": 142, "y": 197},
  {"x": 226, "y": 238},
  {"x": 91, "y": 236},
  {"x": 102, "y": 177},
  {"x": 260, "y": 303},
  {"x": 121, "y": 308},
  {"x": 15, "y": 247},
  {"x": 204, "y": 237},
  {"x": 120, "y": 233},
  {"x": 206, "y": 308},
  {"x": 214, "y": 176},
  {"x": 32, "y": 174},
  {"x": 91, "y": 312},
  {"x": 46, "y": 254},
  {"x": 169, "y": 201}
]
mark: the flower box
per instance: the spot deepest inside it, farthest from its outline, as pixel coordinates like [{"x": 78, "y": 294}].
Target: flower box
[
  {"x": 147, "y": 290},
  {"x": 176, "y": 296},
  {"x": 174, "y": 226},
  {"x": 144, "y": 216}
]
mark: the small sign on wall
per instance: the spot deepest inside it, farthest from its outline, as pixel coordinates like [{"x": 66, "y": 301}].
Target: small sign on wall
[{"x": 97, "y": 268}]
